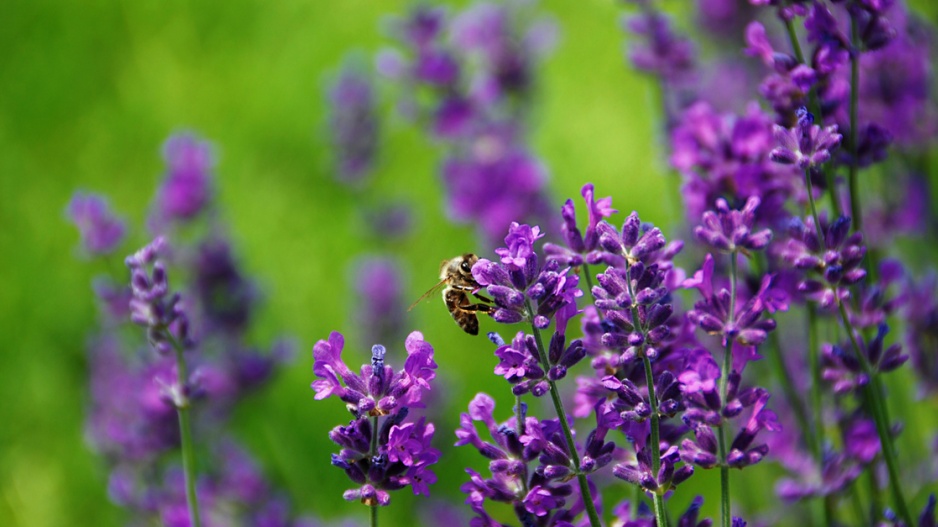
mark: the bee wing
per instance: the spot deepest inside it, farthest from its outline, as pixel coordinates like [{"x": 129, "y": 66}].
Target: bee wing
[{"x": 433, "y": 290}]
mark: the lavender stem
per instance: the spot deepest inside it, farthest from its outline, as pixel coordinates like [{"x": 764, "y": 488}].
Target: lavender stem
[
  {"x": 185, "y": 435},
  {"x": 879, "y": 416},
  {"x": 661, "y": 516},
  {"x": 854, "y": 123},
  {"x": 814, "y": 359},
  {"x": 371, "y": 454},
  {"x": 562, "y": 417}
]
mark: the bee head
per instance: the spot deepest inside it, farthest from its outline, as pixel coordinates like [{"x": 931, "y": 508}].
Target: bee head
[{"x": 465, "y": 266}]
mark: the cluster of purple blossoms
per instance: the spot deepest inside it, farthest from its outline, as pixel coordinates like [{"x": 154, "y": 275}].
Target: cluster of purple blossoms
[
  {"x": 478, "y": 68},
  {"x": 353, "y": 123},
  {"x": 187, "y": 185},
  {"x": 381, "y": 450},
  {"x": 807, "y": 145},
  {"x": 728, "y": 156},
  {"x": 101, "y": 231},
  {"x": 843, "y": 369},
  {"x": 539, "y": 496},
  {"x": 136, "y": 393}
]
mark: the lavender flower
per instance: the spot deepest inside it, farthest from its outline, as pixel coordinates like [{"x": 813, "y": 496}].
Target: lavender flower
[
  {"x": 921, "y": 334},
  {"x": 101, "y": 231},
  {"x": 152, "y": 305},
  {"x": 639, "y": 472},
  {"x": 842, "y": 368},
  {"x": 578, "y": 247},
  {"x": 730, "y": 230},
  {"x": 661, "y": 53},
  {"x": 836, "y": 257},
  {"x": 744, "y": 324},
  {"x": 520, "y": 287},
  {"x": 379, "y": 306},
  {"x": 226, "y": 297},
  {"x": 187, "y": 186},
  {"x": 353, "y": 123},
  {"x": 806, "y": 145},
  {"x": 727, "y": 156},
  {"x": 402, "y": 454}
]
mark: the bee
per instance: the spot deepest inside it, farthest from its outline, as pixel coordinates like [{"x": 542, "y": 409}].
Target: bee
[{"x": 457, "y": 284}]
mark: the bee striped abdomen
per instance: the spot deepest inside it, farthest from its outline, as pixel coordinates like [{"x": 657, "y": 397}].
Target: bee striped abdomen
[{"x": 457, "y": 302}]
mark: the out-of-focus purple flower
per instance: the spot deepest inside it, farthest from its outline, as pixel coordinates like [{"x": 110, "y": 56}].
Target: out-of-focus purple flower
[
  {"x": 906, "y": 214},
  {"x": 101, "y": 231},
  {"x": 187, "y": 185},
  {"x": 379, "y": 306},
  {"x": 659, "y": 51},
  {"x": 896, "y": 82},
  {"x": 731, "y": 230},
  {"x": 836, "y": 258},
  {"x": 226, "y": 297},
  {"x": 842, "y": 368},
  {"x": 727, "y": 156},
  {"x": 353, "y": 124},
  {"x": 836, "y": 474},
  {"x": 921, "y": 328},
  {"x": 379, "y": 390},
  {"x": 807, "y": 145}
]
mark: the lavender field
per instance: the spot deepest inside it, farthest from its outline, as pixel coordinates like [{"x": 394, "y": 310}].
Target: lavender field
[{"x": 689, "y": 268}]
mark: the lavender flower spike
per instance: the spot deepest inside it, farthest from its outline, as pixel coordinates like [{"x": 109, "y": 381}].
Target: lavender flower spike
[
  {"x": 807, "y": 144},
  {"x": 101, "y": 231},
  {"x": 152, "y": 306},
  {"x": 187, "y": 187},
  {"x": 731, "y": 230}
]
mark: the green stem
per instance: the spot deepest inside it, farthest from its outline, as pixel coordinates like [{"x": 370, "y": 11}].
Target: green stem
[
  {"x": 372, "y": 452},
  {"x": 564, "y": 425},
  {"x": 589, "y": 278},
  {"x": 815, "y": 363},
  {"x": 854, "y": 124},
  {"x": 814, "y": 214},
  {"x": 815, "y": 108},
  {"x": 661, "y": 516},
  {"x": 185, "y": 435},
  {"x": 879, "y": 416},
  {"x": 725, "y": 511}
]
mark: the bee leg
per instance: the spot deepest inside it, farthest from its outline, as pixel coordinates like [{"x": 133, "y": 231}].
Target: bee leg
[
  {"x": 482, "y": 308},
  {"x": 482, "y": 298}
]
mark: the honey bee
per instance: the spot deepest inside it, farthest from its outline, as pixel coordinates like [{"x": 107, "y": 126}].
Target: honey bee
[{"x": 457, "y": 284}]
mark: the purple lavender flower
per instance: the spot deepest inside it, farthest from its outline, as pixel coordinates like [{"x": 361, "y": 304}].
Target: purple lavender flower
[
  {"x": 403, "y": 454},
  {"x": 152, "y": 306},
  {"x": 521, "y": 288},
  {"x": 101, "y": 231},
  {"x": 836, "y": 258},
  {"x": 539, "y": 493},
  {"x": 806, "y": 145},
  {"x": 187, "y": 187},
  {"x": 727, "y": 156},
  {"x": 353, "y": 123},
  {"x": 730, "y": 230},
  {"x": 639, "y": 472},
  {"x": 379, "y": 307},
  {"x": 842, "y": 368},
  {"x": 921, "y": 333},
  {"x": 661, "y": 52},
  {"x": 226, "y": 297},
  {"x": 578, "y": 245},
  {"x": 745, "y": 325}
]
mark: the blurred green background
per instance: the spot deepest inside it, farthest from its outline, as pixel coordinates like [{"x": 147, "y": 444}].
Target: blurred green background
[{"x": 90, "y": 90}]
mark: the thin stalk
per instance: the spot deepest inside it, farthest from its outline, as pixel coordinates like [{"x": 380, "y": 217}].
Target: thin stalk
[
  {"x": 725, "y": 511},
  {"x": 589, "y": 278},
  {"x": 815, "y": 108},
  {"x": 857, "y": 504},
  {"x": 876, "y": 499},
  {"x": 814, "y": 214},
  {"x": 564, "y": 425},
  {"x": 372, "y": 452},
  {"x": 657, "y": 499},
  {"x": 815, "y": 363},
  {"x": 854, "y": 123},
  {"x": 879, "y": 417},
  {"x": 185, "y": 435}
]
